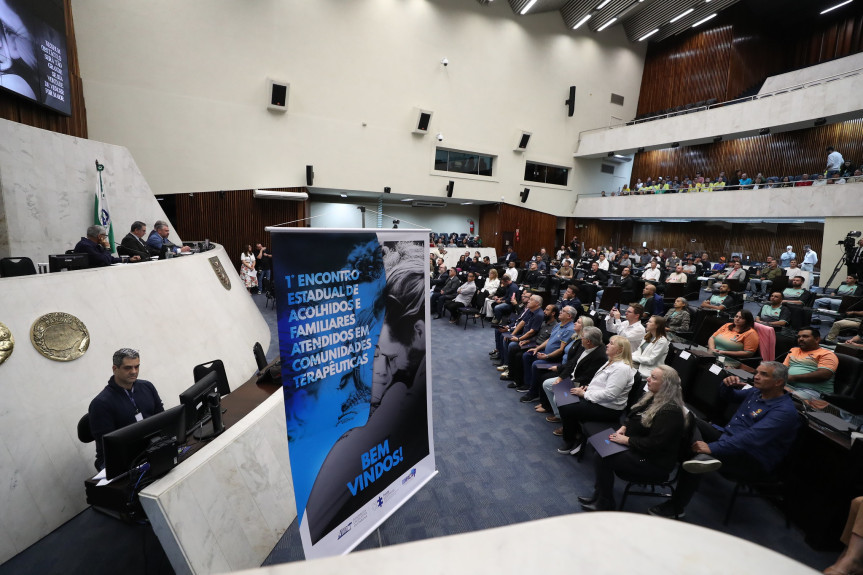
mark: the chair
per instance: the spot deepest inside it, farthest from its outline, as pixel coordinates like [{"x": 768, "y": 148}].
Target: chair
[
  {"x": 84, "y": 434},
  {"x": 472, "y": 310},
  {"x": 200, "y": 371},
  {"x": 848, "y": 384},
  {"x": 260, "y": 356},
  {"x": 672, "y": 292},
  {"x": 610, "y": 296},
  {"x": 685, "y": 368},
  {"x": 17, "y": 266}
]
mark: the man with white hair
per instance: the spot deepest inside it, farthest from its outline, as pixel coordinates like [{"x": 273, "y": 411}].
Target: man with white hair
[{"x": 97, "y": 248}]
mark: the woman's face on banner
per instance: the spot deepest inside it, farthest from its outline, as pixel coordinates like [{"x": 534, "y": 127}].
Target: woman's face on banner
[{"x": 390, "y": 357}]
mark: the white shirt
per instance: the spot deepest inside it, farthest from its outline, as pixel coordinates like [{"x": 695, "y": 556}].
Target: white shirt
[
  {"x": 649, "y": 355},
  {"x": 491, "y": 286},
  {"x": 810, "y": 257},
  {"x": 651, "y": 274},
  {"x": 610, "y": 386},
  {"x": 676, "y": 278},
  {"x": 633, "y": 332},
  {"x": 512, "y": 273},
  {"x": 834, "y": 160},
  {"x": 603, "y": 264}
]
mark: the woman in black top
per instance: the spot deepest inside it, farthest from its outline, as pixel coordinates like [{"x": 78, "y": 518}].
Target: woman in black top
[{"x": 653, "y": 431}]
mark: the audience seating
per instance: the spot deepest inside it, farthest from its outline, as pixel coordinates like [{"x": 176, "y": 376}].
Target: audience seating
[{"x": 848, "y": 384}]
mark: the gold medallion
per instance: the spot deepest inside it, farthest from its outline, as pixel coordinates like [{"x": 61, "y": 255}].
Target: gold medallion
[
  {"x": 220, "y": 272},
  {"x": 7, "y": 343},
  {"x": 60, "y": 336}
]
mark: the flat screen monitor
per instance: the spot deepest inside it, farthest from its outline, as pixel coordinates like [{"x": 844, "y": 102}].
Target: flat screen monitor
[
  {"x": 126, "y": 447},
  {"x": 33, "y": 59},
  {"x": 198, "y": 402},
  {"x": 68, "y": 262}
]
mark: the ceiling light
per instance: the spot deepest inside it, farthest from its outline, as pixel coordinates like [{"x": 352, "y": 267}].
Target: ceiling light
[
  {"x": 528, "y": 7},
  {"x": 466, "y": 203},
  {"x": 648, "y": 35},
  {"x": 700, "y": 22},
  {"x": 343, "y": 195},
  {"x": 837, "y": 6},
  {"x": 273, "y": 195},
  {"x": 619, "y": 156},
  {"x": 679, "y": 16},
  {"x": 603, "y": 5},
  {"x": 582, "y": 21},
  {"x": 408, "y": 200},
  {"x": 606, "y": 25}
]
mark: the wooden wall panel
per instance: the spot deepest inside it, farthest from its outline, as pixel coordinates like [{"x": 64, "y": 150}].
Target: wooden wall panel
[
  {"x": 536, "y": 229},
  {"x": 18, "y": 109},
  {"x": 786, "y": 153},
  {"x": 235, "y": 218},
  {"x": 715, "y": 237},
  {"x": 829, "y": 39}
]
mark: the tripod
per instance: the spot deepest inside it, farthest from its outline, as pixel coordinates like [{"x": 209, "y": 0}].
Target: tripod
[{"x": 838, "y": 267}]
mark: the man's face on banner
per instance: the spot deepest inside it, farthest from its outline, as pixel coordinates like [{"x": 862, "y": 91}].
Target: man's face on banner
[{"x": 393, "y": 357}]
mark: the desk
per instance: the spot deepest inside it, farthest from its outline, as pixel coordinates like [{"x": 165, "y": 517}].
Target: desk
[{"x": 226, "y": 506}]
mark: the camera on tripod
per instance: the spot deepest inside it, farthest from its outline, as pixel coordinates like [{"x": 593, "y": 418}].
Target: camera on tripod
[{"x": 849, "y": 242}]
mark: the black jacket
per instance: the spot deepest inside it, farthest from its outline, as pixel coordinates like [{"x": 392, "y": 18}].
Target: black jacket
[{"x": 586, "y": 369}]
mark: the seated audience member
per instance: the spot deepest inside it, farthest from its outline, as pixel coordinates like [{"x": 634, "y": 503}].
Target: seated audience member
[
  {"x": 850, "y": 562},
  {"x": 489, "y": 290},
  {"x": 653, "y": 432},
  {"x": 737, "y": 339},
  {"x": 549, "y": 351},
  {"x": 857, "y": 340},
  {"x": 565, "y": 272},
  {"x": 575, "y": 366},
  {"x": 803, "y": 181},
  {"x": 851, "y": 320},
  {"x": 602, "y": 262},
  {"x": 125, "y": 400},
  {"x": 510, "y": 256},
  {"x": 678, "y": 276},
  {"x": 97, "y": 248},
  {"x": 644, "y": 258},
  {"x": 512, "y": 370},
  {"x": 833, "y": 302},
  {"x": 158, "y": 239},
  {"x": 689, "y": 267},
  {"x": 631, "y": 329},
  {"x": 533, "y": 276},
  {"x": 735, "y": 273},
  {"x": 604, "y": 399},
  {"x": 811, "y": 368},
  {"x": 445, "y": 294},
  {"x": 652, "y": 350},
  {"x": 762, "y": 282},
  {"x": 594, "y": 280},
  {"x": 135, "y": 243},
  {"x": 504, "y": 305},
  {"x": 625, "y": 261},
  {"x": 677, "y": 319},
  {"x": 773, "y": 313},
  {"x": 511, "y": 270},
  {"x": 463, "y": 298},
  {"x": 652, "y": 273},
  {"x": 673, "y": 261},
  {"x": 649, "y": 301},
  {"x": 526, "y": 328},
  {"x": 722, "y": 301},
  {"x": 796, "y": 294},
  {"x": 570, "y": 298},
  {"x": 794, "y": 271},
  {"x": 627, "y": 285},
  {"x": 439, "y": 277},
  {"x": 755, "y": 441}
]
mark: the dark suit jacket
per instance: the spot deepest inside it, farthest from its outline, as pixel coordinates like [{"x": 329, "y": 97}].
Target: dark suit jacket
[
  {"x": 586, "y": 369},
  {"x": 451, "y": 286},
  {"x": 137, "y": 247}
]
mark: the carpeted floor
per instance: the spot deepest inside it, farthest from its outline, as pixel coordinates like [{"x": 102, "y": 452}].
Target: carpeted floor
[{"x": 497, "y": 464}]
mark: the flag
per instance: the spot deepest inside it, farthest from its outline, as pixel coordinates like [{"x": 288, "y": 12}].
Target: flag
[{"x": 101, "y": 212}]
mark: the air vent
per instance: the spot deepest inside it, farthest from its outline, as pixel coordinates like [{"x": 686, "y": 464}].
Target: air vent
[
  {"x": 617, "y": 99},
  {"x": 607, "y": 169},
  {"x": 421, "y": 204}
]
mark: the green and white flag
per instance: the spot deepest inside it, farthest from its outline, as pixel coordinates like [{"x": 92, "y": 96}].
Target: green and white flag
[{"x": 101, "y": 212}]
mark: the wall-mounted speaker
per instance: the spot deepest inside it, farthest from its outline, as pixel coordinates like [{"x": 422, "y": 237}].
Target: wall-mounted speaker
[
  {"x": 820, "y": 121},
  {"x": 422, "y": 120},
  {"x": 310, "y": 176},
  {"x": 278, "y": 92},
  {"x": 449, "y": 188},
  {"x": 570, "y": 102},
  {"x": 387, "y": 190},
  {"x": 523, "y": 140},
  {"x": 524, "y": 194}
]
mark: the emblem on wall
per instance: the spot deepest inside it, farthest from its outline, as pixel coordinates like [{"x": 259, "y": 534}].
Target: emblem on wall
[
  {"x": 7, "y": 343},
  {"x": 220, "y": 272},
  {"x": 60, "y": 336}
]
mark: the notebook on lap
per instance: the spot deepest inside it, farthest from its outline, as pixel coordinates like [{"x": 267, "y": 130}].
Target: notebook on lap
[{"x": 603, "y": 445}]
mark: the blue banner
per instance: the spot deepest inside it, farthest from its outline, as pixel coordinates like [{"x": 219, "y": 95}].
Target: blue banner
[{"x": 352, "y": 317}]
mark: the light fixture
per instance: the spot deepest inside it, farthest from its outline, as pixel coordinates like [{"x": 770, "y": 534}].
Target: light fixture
[
  {"x": 607, "y": 24},
  {"x": 648, "y": 35},
  {"x": 528, "y": 7},
  {"x": 619, "y": 156},
  {"x": 640, "y": 150},
  {"x": 700, "y": 22},
  {"x": 763, "y": 131},
  {"x": 272, "y": 195},
  {"x": 582, "y": 21},
  {"x": 717, "y": 139},
  {"x": 344, "y": 195},
  {"x": 679, "y": 16},
  {"x": 408, "y": 200},
  {"x": 610, "y": 154},
  {"x": 603, "y": 4},
  {"x": 466, "y": 203},
  {"x": 820, "y": 121},
  {"x": 675, "y": 145},
  {"x": 837, "y": 6}
]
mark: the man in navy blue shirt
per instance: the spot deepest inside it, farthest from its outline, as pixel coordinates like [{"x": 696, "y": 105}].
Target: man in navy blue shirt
[
  {"x": 528, "y": 326},
  {"x": 96, "y": 246},
  {"x": 158, "y": 239},
  {"x": 753, "y": 443},
  {"x": 125, "y": 400}
]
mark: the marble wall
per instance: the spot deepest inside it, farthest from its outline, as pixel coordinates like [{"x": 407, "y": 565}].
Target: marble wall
[{"x": 48, "y": 183}]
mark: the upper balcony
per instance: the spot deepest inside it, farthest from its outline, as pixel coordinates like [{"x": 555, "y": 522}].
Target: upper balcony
[{"x": 827, "y": 93}]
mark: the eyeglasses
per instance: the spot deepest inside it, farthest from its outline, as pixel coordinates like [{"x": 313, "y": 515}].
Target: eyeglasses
[{"x": 390, "y": 359}]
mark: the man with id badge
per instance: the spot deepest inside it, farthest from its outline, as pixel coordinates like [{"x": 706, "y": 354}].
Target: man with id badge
[{"x": 125, "y": 400}]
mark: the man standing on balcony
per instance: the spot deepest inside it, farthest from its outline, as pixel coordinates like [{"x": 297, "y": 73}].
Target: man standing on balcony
[{"x": 834, "y": 163}]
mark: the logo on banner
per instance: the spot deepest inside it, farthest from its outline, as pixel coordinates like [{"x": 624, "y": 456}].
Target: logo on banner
[
  {"x": 343, "y": 531},
  {"x": 410, "y": 476}
]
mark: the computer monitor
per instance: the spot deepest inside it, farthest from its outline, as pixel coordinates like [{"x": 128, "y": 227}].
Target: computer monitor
[
  {"x": 201, "y": 403},
  {"x": 260, "y": 356},
  {"x": 68, "y": 262},
  {"x": 127, "y": 447}
]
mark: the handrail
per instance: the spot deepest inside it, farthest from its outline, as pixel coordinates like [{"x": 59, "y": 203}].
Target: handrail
[{"x": 793, "y": 88}]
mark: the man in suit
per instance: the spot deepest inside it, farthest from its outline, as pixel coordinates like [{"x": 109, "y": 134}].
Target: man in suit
[
  {"x": 583, "y": 361},
  {"x": 135, "y": 244},
  {"x": 510, "y": 256},
  {"x": 446, "y": 294},
  {"x": 855, "y": 263}
]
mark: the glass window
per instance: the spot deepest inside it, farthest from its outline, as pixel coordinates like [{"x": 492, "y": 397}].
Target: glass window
[
  {"x": 463, "y": 162},
  {"x": 546, "y": 174}
]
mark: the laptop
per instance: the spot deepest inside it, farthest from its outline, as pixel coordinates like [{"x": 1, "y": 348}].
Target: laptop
[
  {"x": 562, "y": 395},
  {"x": 831, "y": 422},
  {"x": 603, "y": 445}
]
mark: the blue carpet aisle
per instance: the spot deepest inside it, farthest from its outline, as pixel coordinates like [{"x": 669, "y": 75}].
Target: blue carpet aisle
[{"x": 497, "y": 464}]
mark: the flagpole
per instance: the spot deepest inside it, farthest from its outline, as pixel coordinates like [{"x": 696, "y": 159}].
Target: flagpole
[{"x": 102, "y": 214}]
